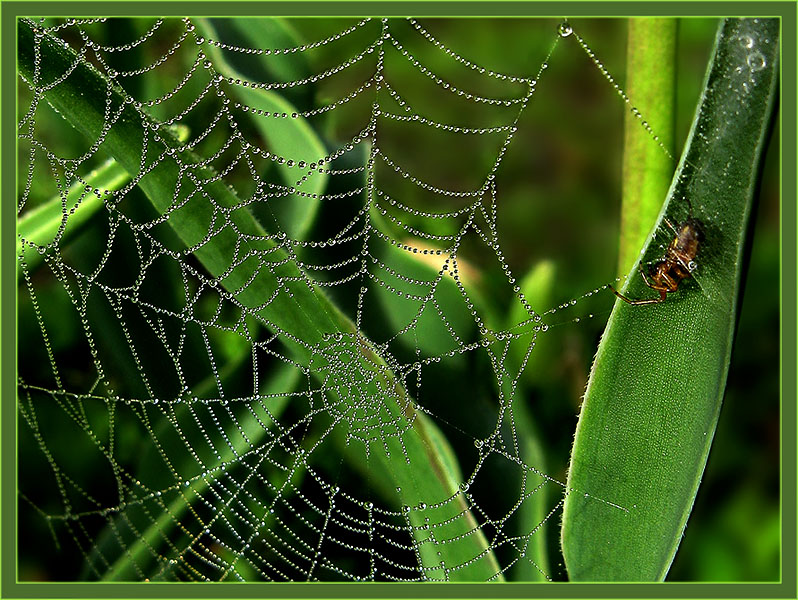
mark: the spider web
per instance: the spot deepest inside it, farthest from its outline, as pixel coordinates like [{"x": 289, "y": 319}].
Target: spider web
[{"x": 267, "y": 377}]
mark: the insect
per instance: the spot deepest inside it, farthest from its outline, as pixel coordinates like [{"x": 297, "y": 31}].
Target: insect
[{"x": 677, "y": 264}]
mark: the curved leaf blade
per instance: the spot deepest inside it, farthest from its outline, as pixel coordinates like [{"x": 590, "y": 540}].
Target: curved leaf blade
[
  {"x": 655, "y": 391},
  {"x": 59, "y": 220},
  {"x": 290, "y": 137}
]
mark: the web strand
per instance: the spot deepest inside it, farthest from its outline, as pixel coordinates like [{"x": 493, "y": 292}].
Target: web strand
[{"x": 237, "y": 426}]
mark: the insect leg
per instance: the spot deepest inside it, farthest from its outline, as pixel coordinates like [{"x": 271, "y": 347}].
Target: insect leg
[
  {"x": 671, "y": 225},
  {"x": 647, "y": 281},
  {"x": 662, "y": 295}
]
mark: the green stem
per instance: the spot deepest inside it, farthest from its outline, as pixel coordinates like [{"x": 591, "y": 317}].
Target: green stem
[{"x": 647, "y": 166}]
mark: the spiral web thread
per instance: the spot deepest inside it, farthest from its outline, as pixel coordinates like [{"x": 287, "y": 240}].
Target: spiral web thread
[{"x": 198, "y": 436}]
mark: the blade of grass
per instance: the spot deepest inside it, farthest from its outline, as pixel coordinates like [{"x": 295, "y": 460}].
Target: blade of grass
[
  {"x": 534, "y": 565},
  {"x": 655, "y": 391},
  {"x": 273, "y": 33},
  {"x": 406, "y": 308},
  {"x": 536, "y": 286},
  {"x": 290, "y": 137},
  {"x": 407, "y": 444},
  {"x": 57, "y": 220},
  {"x": 248, "y": 437}
]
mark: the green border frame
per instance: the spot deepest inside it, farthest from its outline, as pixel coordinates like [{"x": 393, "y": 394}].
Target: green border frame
[{"x": 10, "y": 588}]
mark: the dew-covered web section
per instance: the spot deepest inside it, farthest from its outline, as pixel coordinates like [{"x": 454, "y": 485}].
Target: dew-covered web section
[{"x": 243, "y": 360}]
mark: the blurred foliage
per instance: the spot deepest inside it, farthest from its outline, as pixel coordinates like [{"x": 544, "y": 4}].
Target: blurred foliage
[{"x": 558, "y": 194}]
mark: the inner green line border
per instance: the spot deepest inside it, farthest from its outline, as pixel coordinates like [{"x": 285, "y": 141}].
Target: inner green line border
[{"x": 10, "y": 588}]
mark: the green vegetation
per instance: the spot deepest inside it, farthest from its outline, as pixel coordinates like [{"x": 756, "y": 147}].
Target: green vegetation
[{"x": 654, "y": 395}]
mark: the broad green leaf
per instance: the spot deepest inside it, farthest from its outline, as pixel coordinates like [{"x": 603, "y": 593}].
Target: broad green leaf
[
  {"x": 655, "y": 391},
  {"x": 268, "y": 33},
  {"x": 407, "y": 444},
  {"x": 288, "y": 135}
]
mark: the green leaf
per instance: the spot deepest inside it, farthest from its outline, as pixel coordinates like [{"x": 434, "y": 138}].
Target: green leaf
[
  {"x": 246, "y": 436},
  {"x": 406, "y": 444},
  {"x": 534, "y": 511},
  {"x": 288, "y": 135},
  {"x": 655, "y": 391},
  {"x": 530, "y": 352},
  {"x": 57, "y": 221},
  {"x": 413, "y": 305},
  {"x": 536, "y": 286},
  {"x": 269, "y": 33}
]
